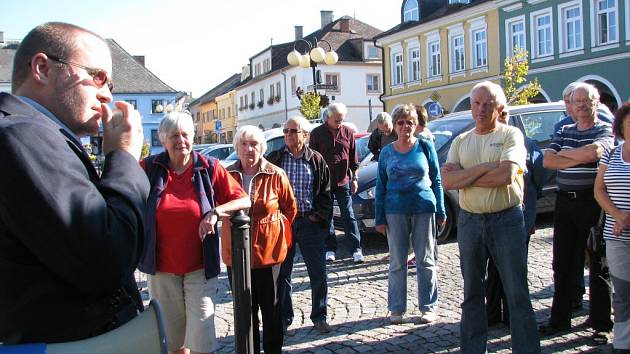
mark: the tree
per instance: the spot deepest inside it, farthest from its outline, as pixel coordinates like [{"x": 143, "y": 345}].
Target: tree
[
  {"x": 146, "y": 149},
  {"x": 514, "y": 79},
  {"x": 309, "y": 106}
]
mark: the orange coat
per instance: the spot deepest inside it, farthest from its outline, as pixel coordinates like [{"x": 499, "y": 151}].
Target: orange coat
[{"x": 273, "y": 210}]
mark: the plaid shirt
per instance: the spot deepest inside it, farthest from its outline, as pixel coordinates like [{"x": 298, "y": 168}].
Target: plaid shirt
[{"x": 301, "y": 178}]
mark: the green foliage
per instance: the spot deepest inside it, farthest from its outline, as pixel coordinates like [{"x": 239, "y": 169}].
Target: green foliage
[
  {"x": 309, "y": 106},
  {"x": 146, "y": 150},
  {"x": 514, "y": 79}
]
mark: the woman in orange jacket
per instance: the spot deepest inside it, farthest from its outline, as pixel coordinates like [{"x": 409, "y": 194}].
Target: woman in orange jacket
[{"x": 272, "y": 213}]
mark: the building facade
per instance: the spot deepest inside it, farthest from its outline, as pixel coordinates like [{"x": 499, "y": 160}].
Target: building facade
[
  {"x": 267, "y": 97},
  {"x": 576, "y": 40},
  {"x": 214, "y": 113},
  {"x": 438, "y": 52}
]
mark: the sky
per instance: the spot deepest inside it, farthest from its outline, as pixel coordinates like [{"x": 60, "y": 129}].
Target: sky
[{"x": 193, "y": 45}]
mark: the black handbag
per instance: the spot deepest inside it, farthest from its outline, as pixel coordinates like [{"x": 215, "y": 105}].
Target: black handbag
[{"x": 595, "y": 243}]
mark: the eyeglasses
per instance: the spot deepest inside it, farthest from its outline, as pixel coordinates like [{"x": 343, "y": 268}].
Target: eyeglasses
[
  {"x": 99, "y": 76},
  {"x": 291, "y": 131},
  {"x": 401, "y": 122},
  {"x": 583, "y": 102}
]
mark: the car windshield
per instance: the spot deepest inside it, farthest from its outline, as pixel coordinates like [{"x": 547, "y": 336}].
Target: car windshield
[
  {"x": 445, "y": 129},
  {"x": 362, "y": 147}
]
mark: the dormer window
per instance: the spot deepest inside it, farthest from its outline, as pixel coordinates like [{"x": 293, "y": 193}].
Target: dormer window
[{"x": 411, "y": 12}]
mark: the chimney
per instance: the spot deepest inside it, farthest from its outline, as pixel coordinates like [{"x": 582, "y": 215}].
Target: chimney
[
  {"x": 344, "y": 25},
  {"x": 139, "y": 59},
  {"x": 327, "y": 17},
  {"x": 298, "y": 32}
]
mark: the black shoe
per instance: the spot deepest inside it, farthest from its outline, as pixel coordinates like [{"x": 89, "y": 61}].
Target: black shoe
[
  {"x": 549, "y": 329},
  {"x": 576, "y": 304}
]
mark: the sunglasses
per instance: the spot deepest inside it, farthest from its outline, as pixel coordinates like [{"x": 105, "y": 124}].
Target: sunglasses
[
  {"x": 99, "y": 76},
  {"x": 401, "y": 122},
  {"x": 291, "y": 131}
]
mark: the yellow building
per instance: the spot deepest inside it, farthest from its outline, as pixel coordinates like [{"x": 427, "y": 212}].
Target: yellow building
[
  {"x": 442, "y": 57},
  {"x": 226, "y": 107},
  {"x": 207, "y": 110}
]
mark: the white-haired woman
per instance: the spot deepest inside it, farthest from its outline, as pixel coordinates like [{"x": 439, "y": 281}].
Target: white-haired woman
[
  {"x": 273, "y": 210},
  {"x": 181, "y": 252}
]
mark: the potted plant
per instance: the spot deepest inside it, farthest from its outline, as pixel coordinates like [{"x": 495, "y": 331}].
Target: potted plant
[
  {"x": 260, "y": 104},
  {"x": 252, "y": 105},
  {"x": 270, "y": 101},
  {"x": 277, "y": 98}
]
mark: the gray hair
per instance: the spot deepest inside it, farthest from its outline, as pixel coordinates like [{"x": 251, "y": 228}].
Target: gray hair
[
  {"x": 250, "y": 132},
  {"x": 338, "y": 108},
  {"x": 383, "y": 118},
  {"x": 570, "y": 88},
  {"x": 593, "y": 94},
  {"x": 405, "y": 110},
  {"x": 495, "y": 91},
  {"x": 301, "y": 122},
  {"x": 175, "y": 121}
]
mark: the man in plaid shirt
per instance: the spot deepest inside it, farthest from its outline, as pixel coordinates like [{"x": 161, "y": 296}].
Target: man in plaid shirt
[{"x": 310, "y": 179}]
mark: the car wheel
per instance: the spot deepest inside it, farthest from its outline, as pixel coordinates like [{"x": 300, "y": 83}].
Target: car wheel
[{"x": 444, "y": 231}]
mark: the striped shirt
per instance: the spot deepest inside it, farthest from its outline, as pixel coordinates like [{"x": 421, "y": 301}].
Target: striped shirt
[
  {"x": 617, "y": 182},
  {"x": 301, "y": 178},
  {"x": 580, "y": 177}
]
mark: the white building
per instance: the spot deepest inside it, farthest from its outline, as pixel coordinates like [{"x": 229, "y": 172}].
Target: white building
[{"x": 268, "y": 96}]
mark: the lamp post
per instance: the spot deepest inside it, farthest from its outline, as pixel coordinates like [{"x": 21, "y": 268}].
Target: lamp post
[{"x": 312, "y": 56}]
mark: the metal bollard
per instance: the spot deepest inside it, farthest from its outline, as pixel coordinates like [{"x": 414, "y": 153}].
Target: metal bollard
[{"x": 242, "y": 284}]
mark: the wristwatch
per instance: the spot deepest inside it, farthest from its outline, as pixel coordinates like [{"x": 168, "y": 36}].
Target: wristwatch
[{"x": 215, "y": 212}]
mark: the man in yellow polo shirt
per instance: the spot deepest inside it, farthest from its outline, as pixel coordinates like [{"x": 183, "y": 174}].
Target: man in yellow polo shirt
[{"x": 486, "y": 165}]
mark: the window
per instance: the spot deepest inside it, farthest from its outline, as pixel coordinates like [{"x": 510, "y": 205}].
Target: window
[
  {"x": 241, "y": 101},
  {"x": 413, "y": 55},
  {"x": 253, "y": 98},
  {"x": 198, "y": 117},
  {"x": 373, "y": 83},
  {"x": 229, "y": 111},
  {"x": 246, "y": 101},
  {"x": 435, "y": 58},
  {"x": 606, "y": 21},
  {"x": 272, "y": 91},
  {"x": 333, "y": 79},
  {"x": 157, "y": 106},
  {"x": 397, "y": 68},
  {"x": 266, "y": 65},
  {"x": 293, "y": 85},
  {"x": 570, "y": 18},
  {"x": 134, "y": 103},
  {"x": 278, "y": 87},
  {"x": 411, "y": 11},
  {"x": 457, "y": 53},
  {"x": 516, "y": 35},
  {"x": 372, "y": 52},
  {"x": 262, "y": 95},
  {"x": 542, "y": 33},
  {"x": 539, "y": 126},
  {"x": 155, "y": 138},
  {"x": 480, "y": 48}
]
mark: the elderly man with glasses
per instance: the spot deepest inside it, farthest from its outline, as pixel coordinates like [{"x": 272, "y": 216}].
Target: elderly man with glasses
[
  {"x": 310, "y": 180},
  {"x": 70, "y": 238},
  {"x": 575, "y": 152}
]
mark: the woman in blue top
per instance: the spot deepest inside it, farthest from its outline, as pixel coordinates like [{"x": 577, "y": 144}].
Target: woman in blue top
[{"x": 409, "y": 201}]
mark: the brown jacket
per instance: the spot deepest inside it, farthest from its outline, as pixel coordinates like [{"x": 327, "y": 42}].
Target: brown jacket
[{"x": 272, "y": 213}]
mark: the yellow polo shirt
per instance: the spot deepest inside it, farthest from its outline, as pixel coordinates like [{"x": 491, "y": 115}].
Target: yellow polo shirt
[{"x": 469, "y": 149}]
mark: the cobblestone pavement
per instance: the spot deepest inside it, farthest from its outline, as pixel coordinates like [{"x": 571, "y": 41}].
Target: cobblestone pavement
[{"x": 357, "y": 307}]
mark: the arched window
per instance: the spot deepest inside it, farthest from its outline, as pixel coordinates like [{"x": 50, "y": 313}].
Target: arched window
[{"x": 411, "y": 12}]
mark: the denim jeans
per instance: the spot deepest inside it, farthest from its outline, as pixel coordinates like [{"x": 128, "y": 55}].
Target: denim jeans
[
  {"x": 419, "y": 230},
  {"x": 310, "y": 237},
  {"x": 350, "y": 227},
  {"x": 500, "y": 235}
]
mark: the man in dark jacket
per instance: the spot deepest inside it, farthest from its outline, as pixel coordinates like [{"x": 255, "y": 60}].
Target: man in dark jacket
[
  {"x": 383, "y": 134},
  {"x": 310, "y": 180},
  {"x": 69, "y": 238}
]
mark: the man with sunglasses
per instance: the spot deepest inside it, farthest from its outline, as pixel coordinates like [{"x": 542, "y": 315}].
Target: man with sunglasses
[
  {"x": 310, "y": 180},
  {"x": 69, "y": 238}
]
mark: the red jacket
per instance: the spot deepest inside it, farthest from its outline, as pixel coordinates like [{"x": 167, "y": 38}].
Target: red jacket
[{"x": 272, "y": 213}]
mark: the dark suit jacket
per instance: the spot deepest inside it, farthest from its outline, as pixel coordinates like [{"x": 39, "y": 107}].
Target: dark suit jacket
[{"x": 69, "y": 239}]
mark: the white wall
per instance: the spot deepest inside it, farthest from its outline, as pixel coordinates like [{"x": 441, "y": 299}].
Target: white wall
[{"x": 353, "y": 94}]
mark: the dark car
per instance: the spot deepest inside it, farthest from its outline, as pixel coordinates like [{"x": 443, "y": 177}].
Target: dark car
[{"x": 535, "y": 120}]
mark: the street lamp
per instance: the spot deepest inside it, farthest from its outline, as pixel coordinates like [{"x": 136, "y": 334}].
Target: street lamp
[{"x": 313, "y": 56}]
